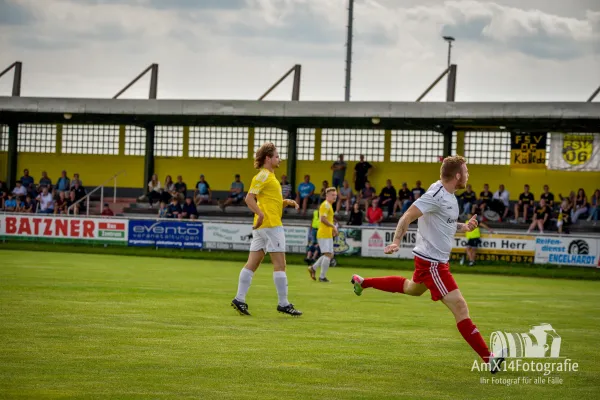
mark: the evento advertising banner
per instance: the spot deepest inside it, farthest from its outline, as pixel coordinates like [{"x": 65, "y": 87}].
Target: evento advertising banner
[
  {"x": 528, "y": 150},
  {"x": 347, "y": 242},
  {"x": 584, "y": 252},
  {"x": 64, "y": 229},
  {"x": 173, "y": 234},
  {"x": 239, "y": 236}
]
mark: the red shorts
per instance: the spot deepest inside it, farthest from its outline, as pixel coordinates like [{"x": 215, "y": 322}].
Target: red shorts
[{"x": 435, "y": 276}]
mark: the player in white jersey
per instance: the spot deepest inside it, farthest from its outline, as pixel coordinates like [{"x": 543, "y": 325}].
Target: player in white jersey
[{"x": 437, "y": 211}]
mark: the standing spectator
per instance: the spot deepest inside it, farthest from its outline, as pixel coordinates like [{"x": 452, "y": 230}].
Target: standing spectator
[
  {"x": 323, "y": 194},
  {"x": 236, "y": 193},
  {"x": 154, "y": 190},
  {"x": 374, "y": 213},
  {"x": 72, "y": 204},
  {"x": 367, "y": 194},
  {"x": 189, "y": 209},
  {"x": 181, "y": 188},
  {"x": 11, "y": 203},
  {"x": 46, "y": 201},
  {"x": 286, "y": 188},
  {"x": 356, "y": 215},
  {"x": 60, "y": 206},
  {"x": 168, "y": 190},
  {"x": 174, "y": 209},
  {"x": 63, "y": 184},
  {"x": 418, "y": 191},
  {"x": 26, "y": 179},
  {"x": 80, "y": 193},
  {"x": 202, "y": 193},
  {"x": 339, "y": 171},
  {"x": 485, "y": 198},
  {"x": 346, "y": 196},
  {"x": 469, "y": 199},
  {"x": 75, "y": 179},
  {"x": 45, "y": 182},
  {"x": 564, "y": 216},
  {"x": 500, "y": 202},
  {"x": 361, "y": 172},
  {"x": 548, "y": 197},
  {"x": 106, "y": 211},
  {"x": 474, "y": 239},
  {"x": 581, "y": 205},
  {"x": 19, "y": 191},
  {"x": 387, "y": 197},
  {"x": 595, "y": 204},
  {"x": 28, "y": 205},
  {"x": 306, "y": 191},
  {"x": 541, "y": 217},
  {"x": 525, "y": 203},
  {"x": 404, "y": 199}
]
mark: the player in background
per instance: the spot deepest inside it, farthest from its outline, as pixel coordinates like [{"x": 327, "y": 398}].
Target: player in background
[
  {"x": 266, "y": 202},
  {"x": 437, "y": 211},
  {"x": 327, "y": 230}
]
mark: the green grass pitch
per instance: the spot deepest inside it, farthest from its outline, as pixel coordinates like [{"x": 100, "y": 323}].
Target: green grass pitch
[{"x": 114, "y": 327}]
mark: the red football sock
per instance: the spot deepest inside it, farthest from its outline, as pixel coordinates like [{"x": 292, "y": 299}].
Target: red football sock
[
  {"x": 394, "y": 284},
  {"x": 471, "y": 334}
]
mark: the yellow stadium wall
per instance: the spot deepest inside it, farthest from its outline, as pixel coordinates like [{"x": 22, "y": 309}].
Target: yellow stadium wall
[{"x": 3, "y": 164}]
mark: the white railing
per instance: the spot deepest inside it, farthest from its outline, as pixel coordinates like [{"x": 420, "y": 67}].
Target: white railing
[{"x": 101, "y": 189}]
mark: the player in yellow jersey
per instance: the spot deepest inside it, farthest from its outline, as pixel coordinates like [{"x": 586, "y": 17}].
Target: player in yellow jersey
[
  {"x": 266, "y": 202},
  {"x": 325, "y": 234}
]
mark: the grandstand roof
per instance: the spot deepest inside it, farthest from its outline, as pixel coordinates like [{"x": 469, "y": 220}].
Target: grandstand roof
[{"x": 550, "y": 116}]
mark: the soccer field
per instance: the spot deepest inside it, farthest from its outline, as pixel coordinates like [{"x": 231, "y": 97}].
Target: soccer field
[{"x": 108, "y": 327}]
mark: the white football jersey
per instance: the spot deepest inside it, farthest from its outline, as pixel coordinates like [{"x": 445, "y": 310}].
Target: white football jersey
[{"x": 437, "y": 225}]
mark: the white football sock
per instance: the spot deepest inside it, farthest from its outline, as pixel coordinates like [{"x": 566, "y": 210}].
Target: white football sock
[
  {"x": 318, "y": 263},
  {"x": 244, "y": 284},
  {"x": 281, "y": 284},
  {"x": 324, "y": 266}
]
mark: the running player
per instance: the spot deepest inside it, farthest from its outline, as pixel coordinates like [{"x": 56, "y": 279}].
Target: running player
[
  {"x": 266, "y": 202},
  {"x": 437, "y": 211},
  {"x": 325, "y": 234}
]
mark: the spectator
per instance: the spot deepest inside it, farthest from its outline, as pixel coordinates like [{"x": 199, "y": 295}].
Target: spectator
[
  {"x": 72, "y": 204},
  {"x": 189, "y": 209},
  {"x": 174, "y": 209},
  {"x": 595, "y": 204},
  {"x": 202, "y": 193},
  {"x": 236, "y": 193},
  {"x": 106, "y": 211},
  {"x": 485, "y": 199},
  {"x": 162, "y": 210},
  {"x": 75, "y": 179},
  {"x": 306, "y": 191},
  {"x": 374, "y": 213},
  {"x": 404, "y": 199},
  {"x": 541, "y": 217},
  {"x": 346, "y": 197},
  {"x": 3, "y": 193},
  {"x": 168, "y": 190},
  {"x": 19, "y": 191},
  {"x": 79, "y": 191},
  {"x": 525, "y": 203},
  {"x": 564, "y": 216},
  {"x": 154, "y": 190},
  {"x": 548, "y": 197},
  {"x": 32, "y": 191},
  {"x": 286, "y": 188},
  {"x": 28, "y": 205},
  {"x": 387, "y": 197},
  {"x": 63, "y": 184},
  {"x": 323, "y": 193},
  {"x": 45, "y": 182},
  {"x": 361, "y": 172},
  {"x": 180, "y": 189},
  {"x": 26, "y": 179},
  {"x": 367, "y": 194},
  {"x": 11, "y": 203},
  {"x": 581, "y": 205},
  {"x": 356, "y": 215},
  {"x": 474, "y": 238},
  {"x": 500, "y": 202},
  {"x": 469, "y": 200},
  {"x": 339, "y": 171},
  {"x": 418, "y": 191},
  {"x": 60, "y": 206},
  {"x": 46, "y": 201}
]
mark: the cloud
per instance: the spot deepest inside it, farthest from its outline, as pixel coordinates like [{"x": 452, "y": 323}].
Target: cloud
[{"x": 13, "y": 13}]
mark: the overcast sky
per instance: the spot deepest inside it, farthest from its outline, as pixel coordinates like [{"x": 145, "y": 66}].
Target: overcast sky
[{"x": 507, "y": 50}]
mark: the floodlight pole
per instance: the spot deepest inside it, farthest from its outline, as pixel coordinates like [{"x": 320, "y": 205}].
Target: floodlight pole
[
  {"x": 13, "y": 128},
  {"x": 593, "y": 96},
  {"x": 349, "y": 49}
]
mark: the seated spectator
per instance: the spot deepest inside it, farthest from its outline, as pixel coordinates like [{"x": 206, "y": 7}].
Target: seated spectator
[
  {"x": 580, "y": 207},
  {"x": 387, "y": 197},
  {"x": 189, "y": 209},
  {"x": 469, "y": 200},
  {"x": 323, "y": 194},
  {"x": 46, "y": 201},
  {"x": 72, "y": 204},
  {"x": 45, "y": 182},
  {"x": 162, "y": 210},
  {"x": 28, "y": 205},
  {"x": 75, "y": 179},
  {"x": 236, "y": 193},
  {"x": 541, "y": 217},
  {"x": 11, "y": 203},
  {"x": 168, "y": 191},
  {"x": 418, "y": 191},
  {"x": 174, "y": 209},
  {"x": 60, "y": 205},
  {"x": 404, "y": 199},
  {"x": 106, "y": 211},
  {"x": 367, "y": 195},
  {"x": 594, "y": 206},
  {"x": 154, "y": 190},
  {"x": 80, "y": 193},
  {"x": 202, "y": 193},
  {"x": 356, "y": 215},
  {"x": 525, "y": 203},
  {"x": 485, "y": 198},
  {"x": 26, "y": 179},
  {"x": 63, "y": 184},
  {"x": 32, "y": 191},
  {"x": 181, "y": 189},
  {"x": 286, "y": 188},
  {"x": 500, "y": 202},
  {"x": 345, "y": 197},
  {"x": 19, "y": 191},
  {"x": 564, "y": 216},
  {"x": 374, "y": 213},
  {"x": 548, "y": 197},
  {"x": 306, "y": 191}
]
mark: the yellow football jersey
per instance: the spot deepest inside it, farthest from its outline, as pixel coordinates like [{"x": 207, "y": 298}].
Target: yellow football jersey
[
  {"x": 325, "y": 232},
  {"x": 267, "y": 189}
]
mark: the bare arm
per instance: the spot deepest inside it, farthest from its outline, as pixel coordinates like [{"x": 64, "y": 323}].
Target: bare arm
[
  {"x": 409, "y": 216},
  {"x": 253, "y": 205}
]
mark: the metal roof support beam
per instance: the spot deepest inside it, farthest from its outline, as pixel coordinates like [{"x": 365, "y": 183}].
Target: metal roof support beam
[
  {"x": 153, "y": 82},
  {"x": 297, "y": 70},
  {"x": 439, "y": 78},
  {"x": 593, "y": 96}
]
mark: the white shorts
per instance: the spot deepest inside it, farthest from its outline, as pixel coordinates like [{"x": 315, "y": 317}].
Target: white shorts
[
  {"x": 326, "y": 245},
  {"x": 269, "y": 240}
]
